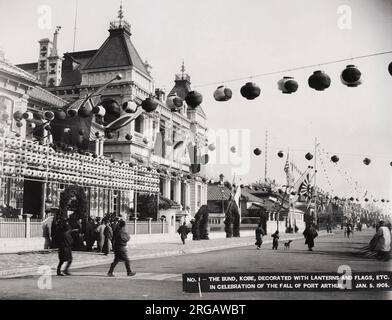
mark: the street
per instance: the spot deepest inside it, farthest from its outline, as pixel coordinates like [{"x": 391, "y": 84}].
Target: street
[{"x": 161, "y": 278}]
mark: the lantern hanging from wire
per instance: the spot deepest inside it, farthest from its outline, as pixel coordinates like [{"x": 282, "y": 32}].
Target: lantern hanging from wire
[
  {"x": 351, "y": 76},
  {"x": 390, "y": 68},
  {"x": 366, "y": 161},
  {"x": 174, "y": 103},
  {"x": 287, "y": 85},
  {"x": 149, "y": 104},
  {"x": 211, "y": 147},
  {"x": 308, "y": 156},
  {"x": 319, "y": 80},
  {"x": 193, "y": 99},
  {"x": 129, "y": 106},
  {"x": 334, "y": 158},
  {"x": 280, "y": 154},
  {"x": 250, "y": 91},
  {"x": 257, "y": 151},
  {"x": 222, "y": 93}
]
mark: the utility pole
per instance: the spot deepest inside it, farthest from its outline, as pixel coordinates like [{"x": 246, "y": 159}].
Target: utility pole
[
  {"x": 315, "y": 175},
  {"x": 76, "y": 18},
  {"x": 265, "y": 155}
]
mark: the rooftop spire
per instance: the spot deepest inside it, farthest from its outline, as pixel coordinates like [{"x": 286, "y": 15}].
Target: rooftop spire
[
  {"x": 120, "y": 23},
  {"x": 120, "y": 13}
]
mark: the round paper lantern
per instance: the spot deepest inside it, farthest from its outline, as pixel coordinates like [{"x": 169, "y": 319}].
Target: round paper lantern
[
  {"x": 85, "y": 111},
  {"x": 233, "y": 149},
  {"x": 390, "y": 163},
  {"x": 28, "y": 116},
  {"x": 366, "y": 161},
  {"x": 32, "y": 125},
  {"x": 129, "y": 106},
  {"x": 193, "y": 99},
  {"x": 280, "y": 154},
  {"x": 319, "y": 80},
  {"x": 288, "y": 85},
  {"x": 308, "y": 156},
  {"x": 18, "y": 115},
  {"x": 390, "y": 68},
  {"x": 382, "y": 200},
  {"x": 222, "y": 94},
  {"x": 19, "y": 124},
  {"x": 334, "y": 159},
  {"x": 48, "y": 115},
  {"x": 351, "y": 76},
  {"x": 60, "y": 115},
  {"x": 250, "y": 91},
  {"x": 211, "y": 147},
  {"x": 351, "y": 199},
  {"x": 128, "y": 137},
  {"x": 149, "y": 105},
  {"x": 109, "y": 134},
  {"x": 99, "y": 111},
  {"x": 257, "y": 151},
  {"x": 145, "y": 140},
  {"x": 173, "y": 102}
]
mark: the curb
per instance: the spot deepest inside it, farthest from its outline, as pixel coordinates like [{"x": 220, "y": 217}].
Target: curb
[{"x": 31, "y": 271}]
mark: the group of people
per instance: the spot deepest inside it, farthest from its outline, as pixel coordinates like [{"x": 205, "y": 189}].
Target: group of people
[
  {"x": 108, "y": 234},
  {"x": 310, "y": 233}
]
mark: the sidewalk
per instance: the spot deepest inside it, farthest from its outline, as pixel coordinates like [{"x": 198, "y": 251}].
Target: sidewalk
[{"x": 25, "y": 264}]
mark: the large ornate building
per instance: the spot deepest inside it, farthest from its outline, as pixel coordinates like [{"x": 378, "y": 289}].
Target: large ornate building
[{"x": 163, "y": 139}]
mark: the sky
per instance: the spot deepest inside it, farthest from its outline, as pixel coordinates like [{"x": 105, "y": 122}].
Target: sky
[{"x": 220, "y": 40}]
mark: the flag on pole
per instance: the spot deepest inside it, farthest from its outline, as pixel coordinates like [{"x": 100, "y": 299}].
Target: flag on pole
[{"x": 289, "y": 174}]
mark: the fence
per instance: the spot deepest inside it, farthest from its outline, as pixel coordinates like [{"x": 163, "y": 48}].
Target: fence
[
  {"x": 147, "y": 227},
  {"x": 24, "y": 228}
]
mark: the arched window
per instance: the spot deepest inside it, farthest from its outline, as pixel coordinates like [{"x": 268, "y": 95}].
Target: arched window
[{"x": 139, "y": 124}]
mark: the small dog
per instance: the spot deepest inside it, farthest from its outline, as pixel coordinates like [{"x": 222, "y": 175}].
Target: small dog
[{"x": 287, "y": 244}]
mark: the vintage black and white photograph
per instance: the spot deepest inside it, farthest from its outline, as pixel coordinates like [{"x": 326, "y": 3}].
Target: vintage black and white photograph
[{"x": 196, "y": 151}]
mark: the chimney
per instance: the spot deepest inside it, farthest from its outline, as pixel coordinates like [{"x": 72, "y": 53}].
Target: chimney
[
  {"x": 221, "y": 177},
  {"x": 54, "y": 63}
]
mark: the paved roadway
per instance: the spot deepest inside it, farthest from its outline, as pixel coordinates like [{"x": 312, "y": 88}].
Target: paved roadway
[{"x": 161, "y": 278}]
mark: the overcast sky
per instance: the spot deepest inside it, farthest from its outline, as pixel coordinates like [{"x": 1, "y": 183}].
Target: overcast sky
[{"x": 221, "y": 40}]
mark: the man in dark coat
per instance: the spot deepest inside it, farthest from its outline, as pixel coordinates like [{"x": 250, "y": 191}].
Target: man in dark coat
[
  {"x": 121, "y": 239},
  {"x": 183, "y": 232},
  {"x": 64, "y": 241},
  {"x": 310, "y": 234},
  {"x": 275, "y": 240},
  {"x": 259, "y": 236}
]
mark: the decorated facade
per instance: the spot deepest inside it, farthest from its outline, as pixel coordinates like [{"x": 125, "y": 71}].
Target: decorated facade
[{"x": 128, "y": 137}]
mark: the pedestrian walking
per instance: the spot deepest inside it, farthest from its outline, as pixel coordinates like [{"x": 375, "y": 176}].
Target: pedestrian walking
[
  {"x": 381, "y": 242},
  {"x": 183, "y": 232},
  {"x": 275, "y": 240},
  {"x": 310, "y": 234},
  {"x": 108, "y": 237},
  {"x": 348, "y": 230},
  {"x": 259, "y": 236},
  {"x": 65, "y": 242},
  {"x": 121, "y": 239}
]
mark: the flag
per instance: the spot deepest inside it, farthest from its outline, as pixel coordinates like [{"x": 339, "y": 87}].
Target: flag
[
  {"x": 289, "y": 173},
  {"x": 305, "y": 189}
]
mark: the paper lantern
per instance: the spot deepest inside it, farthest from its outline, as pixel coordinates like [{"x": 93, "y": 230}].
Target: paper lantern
[
  {"x": 233, "y": 149},
  {"x": 280, "y": 154},
  {"x": 145, "y": 140},
  {"x": 72, "y": 112},
  {"x": 19, "y": 124},
  {"x": 390, "y": 68},
  {"x": 351, "y": 199},
  {"x": 149, "y": 105},
  {"x": 128, "y": 137},
  {"x": 18, "y": 115},
  {"x": 48, "y": 115},
  {"x": 85, "y": 111},
  {"x": 334, "y": 159},
  {"x": 390, "y": 163},
  {"x": 351, "y": 76},
  {"x": 257, "y": 151},
  {"x": 99, "y": 111},
  {"x": 193, "y": 99},
  {"x": 211, "y": 147},
  {"x": 288, "y": 85},
  {"x": 366, "y": 161},
  {"x": 129, "y": 106},
  {"x": 60, "y": 115},
  {"x": 250, "y": 91},
  {"x": 109, "y": 134},
  {"x": 309, "y": 156},
  {"x": 222, "y": 94},
  {"x": 174, "y": 103},
  {"x": 28, "y": 116},
  {"x": 319, "y": 80}
]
